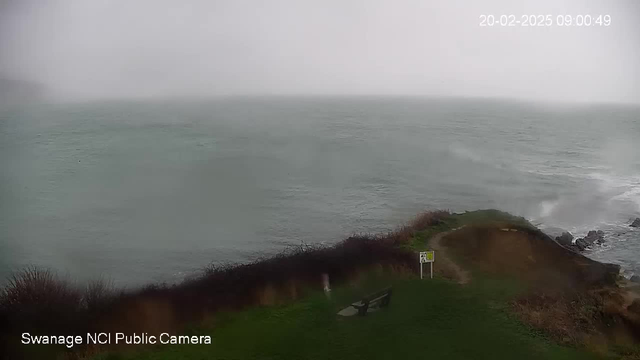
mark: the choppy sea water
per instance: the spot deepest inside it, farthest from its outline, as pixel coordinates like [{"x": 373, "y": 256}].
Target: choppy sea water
[{"x": 153, "y": 191}]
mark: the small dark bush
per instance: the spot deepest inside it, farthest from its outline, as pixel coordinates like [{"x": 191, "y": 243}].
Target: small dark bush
[
  {"x": 428, "y": 219},
  {"x": 98, "y": 294}
]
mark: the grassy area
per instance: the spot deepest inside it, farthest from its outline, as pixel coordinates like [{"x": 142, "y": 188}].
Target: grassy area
[
  {"x": 421, "y": 238},
  {"x": 427, "y": 319}
]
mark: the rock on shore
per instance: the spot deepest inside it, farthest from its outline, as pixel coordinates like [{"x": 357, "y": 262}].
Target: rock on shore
[
  {"x": 636, "y": 223},
  {"x": 593, "y": 237},
  {"x": 581, "y": 244},
  {"x": 566, "y": 239}
]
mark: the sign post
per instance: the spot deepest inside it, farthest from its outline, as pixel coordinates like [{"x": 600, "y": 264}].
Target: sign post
[{"x": 427, "y": 257}]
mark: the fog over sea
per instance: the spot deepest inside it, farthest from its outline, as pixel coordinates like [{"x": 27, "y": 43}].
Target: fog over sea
[{"x": 153, "y": 191}]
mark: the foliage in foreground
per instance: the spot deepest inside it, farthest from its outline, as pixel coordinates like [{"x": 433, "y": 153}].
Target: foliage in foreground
[
  {"x": 38, "y": 301},
  {"x": 426, "y": 319},
  {"x": 436, "y": 318}
]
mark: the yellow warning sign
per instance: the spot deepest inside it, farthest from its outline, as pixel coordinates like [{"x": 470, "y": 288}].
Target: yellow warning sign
[{"x": 427, "y": 256}]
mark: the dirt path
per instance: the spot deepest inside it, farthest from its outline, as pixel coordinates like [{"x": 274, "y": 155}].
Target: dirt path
[{"x": 444, "y": 265}]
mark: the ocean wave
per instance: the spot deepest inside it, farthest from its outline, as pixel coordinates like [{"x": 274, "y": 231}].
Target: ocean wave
[
  {"x": 606, "y": 201},
  {"x": 620, "y": 188},
  {"x": 576, "y": 172},
  {"x": 632, "y": 195},
  {"x": 609, "y": 182}
]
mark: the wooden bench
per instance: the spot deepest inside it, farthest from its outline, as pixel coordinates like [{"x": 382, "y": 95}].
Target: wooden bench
[{"x": 380, "y": 298}]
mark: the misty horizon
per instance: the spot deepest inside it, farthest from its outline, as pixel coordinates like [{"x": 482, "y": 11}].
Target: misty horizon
[{"x": 85, "y": 51}]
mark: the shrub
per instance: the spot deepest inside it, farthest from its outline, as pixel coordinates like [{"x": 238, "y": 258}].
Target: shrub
[
  {"x": 428, "y": 219},
  {"x": 98, "y": 294},
  {"x": 36, "y": 299}
]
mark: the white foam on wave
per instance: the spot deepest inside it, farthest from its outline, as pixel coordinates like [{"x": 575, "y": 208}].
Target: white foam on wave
[
  {"x": 605, "y": 195},
  {"x": 606, "y": 203}
]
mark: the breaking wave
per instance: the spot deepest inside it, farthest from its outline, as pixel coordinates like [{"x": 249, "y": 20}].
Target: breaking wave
[{"x": 600, "y": 201}]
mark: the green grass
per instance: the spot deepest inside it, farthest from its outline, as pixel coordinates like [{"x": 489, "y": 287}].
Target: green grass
[
  {"x": 489, "y": 216},
  {"x": 426, "y": 319},
  {"x": 421, "y": 239}
]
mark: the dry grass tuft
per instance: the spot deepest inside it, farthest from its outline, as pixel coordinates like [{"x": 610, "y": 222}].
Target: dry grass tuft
[
  {"x": 594, "y": 319},
  {"x": 567, "y": 318}
]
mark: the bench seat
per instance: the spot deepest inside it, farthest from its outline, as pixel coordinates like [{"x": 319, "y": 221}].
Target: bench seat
[{"x": 380, "y": 298}]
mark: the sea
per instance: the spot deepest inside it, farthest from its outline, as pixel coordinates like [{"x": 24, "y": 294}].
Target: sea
[{"x": 152, "y": 191}]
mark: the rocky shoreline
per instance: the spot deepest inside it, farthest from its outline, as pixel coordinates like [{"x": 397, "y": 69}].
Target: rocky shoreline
[
  {"x": 593, "y": 237},
  {"x": 583, "y": 243},
  {"x": 566, "y": 239}
]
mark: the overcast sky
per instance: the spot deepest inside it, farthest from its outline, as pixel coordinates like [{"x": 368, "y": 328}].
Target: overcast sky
[{"x": 89, "y": 49}]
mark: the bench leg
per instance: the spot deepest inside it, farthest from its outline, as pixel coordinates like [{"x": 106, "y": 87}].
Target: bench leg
[
  {"x": 362, "y": 311},
  {"x": 387, "y": 299}
]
